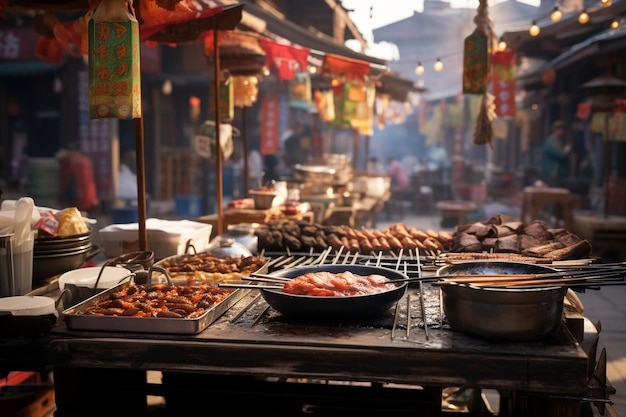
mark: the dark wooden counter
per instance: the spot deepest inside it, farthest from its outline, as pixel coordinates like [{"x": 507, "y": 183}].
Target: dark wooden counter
[{"x": 251, "y": 341}]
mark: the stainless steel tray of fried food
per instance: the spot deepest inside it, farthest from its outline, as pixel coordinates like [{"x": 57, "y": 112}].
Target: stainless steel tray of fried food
[{"x": 109, "y": 311}]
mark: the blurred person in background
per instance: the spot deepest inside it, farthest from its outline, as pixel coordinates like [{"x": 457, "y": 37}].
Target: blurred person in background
[
  {"x": 374, "y": 166},
  {"x": 77, "y": 183},
  {"x": 410, "y": 163},
  {"x": 399, "y": 179},
  {"x": 297, "y": 147},
  {"x": 555, "y": 155},
  {"x": 271, "y": 162},
  {"x": 127, "y": 180},
  {"x": 255, "y": 169}
]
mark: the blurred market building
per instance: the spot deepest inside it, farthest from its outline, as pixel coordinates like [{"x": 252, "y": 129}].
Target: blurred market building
[
  {"x": 570, "y": 69},
  {"x": 44, "y": 99}
]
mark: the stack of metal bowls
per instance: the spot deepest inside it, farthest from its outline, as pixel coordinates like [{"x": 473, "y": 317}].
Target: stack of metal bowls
[{"x": 55, "y": 255}]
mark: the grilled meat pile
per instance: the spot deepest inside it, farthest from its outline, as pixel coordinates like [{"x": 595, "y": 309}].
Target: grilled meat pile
[
  {"x": 533, "y": 240},
  {"x": 302, "y": 236}
]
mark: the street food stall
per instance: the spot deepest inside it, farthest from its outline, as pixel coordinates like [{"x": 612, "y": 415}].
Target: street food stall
[{"x": 397, "y": 349}]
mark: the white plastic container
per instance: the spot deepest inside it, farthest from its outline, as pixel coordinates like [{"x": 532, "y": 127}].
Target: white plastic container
[
  {"x": 165, "y": 237},
  {"x": 87, "y": 277}
]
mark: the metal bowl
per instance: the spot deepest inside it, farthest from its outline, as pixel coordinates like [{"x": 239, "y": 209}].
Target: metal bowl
[
  {"x": 314, "y": 174},
  {"x": 502, "y": 314},
  {"x": 51, "y": 264},
  {"x": 263, "y": 200}
]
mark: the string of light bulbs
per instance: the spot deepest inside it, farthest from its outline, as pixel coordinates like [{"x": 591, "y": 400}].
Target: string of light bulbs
[
  {"x": 555, "y": 15},
  {"x": 583, "y": 18},
  {"x": 438, "y": 66}
]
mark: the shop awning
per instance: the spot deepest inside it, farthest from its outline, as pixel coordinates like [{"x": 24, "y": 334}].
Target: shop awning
[
  {"x": 296, "y": 34},
  {"x": 608, "y": 41},
  {"x": 557, "y": 37},
  {"x": 397, "y": 87},
  {"x": 25, "y": 68}
]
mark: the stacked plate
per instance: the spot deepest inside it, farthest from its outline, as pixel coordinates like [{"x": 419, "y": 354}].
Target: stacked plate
[{"x": 56, "y": 255}]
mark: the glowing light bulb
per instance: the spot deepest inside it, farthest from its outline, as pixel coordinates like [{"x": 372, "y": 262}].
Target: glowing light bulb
[
  {"x": 419, "y": 70},
  {"x": 605, "y": 3},
  {"x": 614, "y": 24},
  {"x": 556, "y": 14},
  {"x": 438, "y": 65},
  {"x": 167, "y": 88},
  {"x": 583, "y": 17},
  {"x": 534, "y": 29},
  {"x": 502, "y": 45}
]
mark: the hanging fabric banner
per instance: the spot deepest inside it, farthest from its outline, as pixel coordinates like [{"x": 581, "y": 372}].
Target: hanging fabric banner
[
  {"x": 227, "y": 102},
  {"x": 300, "y": 94},
  {"x": 504, "y": 82},
  {"x": 269, "y": 126},
  {"x": 287, "y": 59},
  {"x": 155, "y": 17},
  {"x": 114, "y": 72},
  {"x": 475, "y": 63},
  {"x": 349, "y": 68}
]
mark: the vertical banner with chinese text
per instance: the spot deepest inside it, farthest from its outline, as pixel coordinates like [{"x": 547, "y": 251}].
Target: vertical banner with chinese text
[
  {"x": 114, "y": 67},
  {"x": 269, "y": 126},
  {"x": 504, "y": 82}
]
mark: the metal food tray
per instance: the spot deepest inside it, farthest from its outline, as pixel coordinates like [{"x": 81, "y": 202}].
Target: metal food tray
[
  {"x": 181, "y": 278},
  {"x": 75, "y": 320}
]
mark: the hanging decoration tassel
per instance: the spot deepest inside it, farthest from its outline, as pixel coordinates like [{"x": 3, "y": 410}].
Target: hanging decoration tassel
[
  {"x": 484, "y": 28},
  {"x": 483, "y": 133}
]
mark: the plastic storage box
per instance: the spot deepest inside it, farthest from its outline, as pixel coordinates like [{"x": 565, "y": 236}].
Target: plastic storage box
[{"x": 165, "y": 237}]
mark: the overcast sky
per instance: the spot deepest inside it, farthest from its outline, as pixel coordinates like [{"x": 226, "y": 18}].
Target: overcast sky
[{"x": 384, "y": 12}]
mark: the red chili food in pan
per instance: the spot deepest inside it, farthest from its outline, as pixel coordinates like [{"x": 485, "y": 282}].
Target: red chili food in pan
[{"x": 345, "y": 284}]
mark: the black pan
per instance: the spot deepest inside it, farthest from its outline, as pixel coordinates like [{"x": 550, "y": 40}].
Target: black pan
[{"x": 335, "y": 308}]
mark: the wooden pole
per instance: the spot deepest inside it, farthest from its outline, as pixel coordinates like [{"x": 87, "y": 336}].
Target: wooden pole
[
  {"x": 218, "y": 147},
  {"x": 246, "y": 150},
  {"x": 607, "y": 165},
  {"x": 141, "y": 184},
  {"x": 141, "y": 170}
]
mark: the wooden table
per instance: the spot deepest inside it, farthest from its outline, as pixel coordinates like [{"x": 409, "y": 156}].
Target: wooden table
[
  {"x": 237, "y": 216},
  {"x": 456, "y": 209},
  {"x": 538, "y": 198},
  {"x": 257, "y": 360}
]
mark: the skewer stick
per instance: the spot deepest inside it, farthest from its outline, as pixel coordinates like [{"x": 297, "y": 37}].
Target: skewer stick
[
  {"x": 250, "y": 286},
  {"x": 510, "y": 282}
]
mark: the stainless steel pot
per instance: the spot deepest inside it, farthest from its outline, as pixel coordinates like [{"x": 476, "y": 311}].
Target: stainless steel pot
[
  {"x": 314, "y": 174},
  {"x": 502, "y": 314}
]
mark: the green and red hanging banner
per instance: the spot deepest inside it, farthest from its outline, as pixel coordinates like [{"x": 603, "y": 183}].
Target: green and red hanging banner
[
  {"x": 114, "y": 70},
  {"x": 475, "y": 63}
]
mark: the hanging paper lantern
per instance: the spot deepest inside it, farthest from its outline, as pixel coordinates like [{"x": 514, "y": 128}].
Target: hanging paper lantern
[
  {"x": 240, "y": 52},
  {"x": 114, "y": 72},
  {"x": 246, "y": 90}
]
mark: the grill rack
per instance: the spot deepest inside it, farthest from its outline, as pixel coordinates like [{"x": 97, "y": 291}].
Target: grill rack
[
  {"x": 419, "y": 309},
  {"x": 409, "y": 262}
]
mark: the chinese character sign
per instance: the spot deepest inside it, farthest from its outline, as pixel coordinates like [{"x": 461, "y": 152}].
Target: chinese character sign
[
  {"x": 504, "y": 83},
  {"x": 114, "y": 70},
  {"x": 269, "y": 125}
]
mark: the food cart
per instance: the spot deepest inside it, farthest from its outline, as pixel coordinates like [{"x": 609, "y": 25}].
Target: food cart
[{"x": 402, "y": 359}]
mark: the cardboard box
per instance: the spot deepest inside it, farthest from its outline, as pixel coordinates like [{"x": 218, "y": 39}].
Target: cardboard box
[{"x": 165, "y": 237}]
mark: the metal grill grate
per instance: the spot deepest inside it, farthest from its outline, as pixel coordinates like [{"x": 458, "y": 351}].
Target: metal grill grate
[{"x": 419, "y": 310}]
